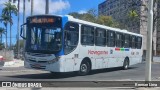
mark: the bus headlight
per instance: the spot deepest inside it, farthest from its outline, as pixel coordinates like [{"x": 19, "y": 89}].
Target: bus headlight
[{"x": 54, "y": 60}]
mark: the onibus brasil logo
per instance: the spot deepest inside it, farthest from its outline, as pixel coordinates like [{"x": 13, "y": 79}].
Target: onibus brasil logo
[{"x": 21, "y": 84}]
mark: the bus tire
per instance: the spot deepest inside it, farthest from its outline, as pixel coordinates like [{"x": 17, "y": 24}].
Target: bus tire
[
  {"x": 84, "y": 68},
  {"x": 126, "y": 64}
]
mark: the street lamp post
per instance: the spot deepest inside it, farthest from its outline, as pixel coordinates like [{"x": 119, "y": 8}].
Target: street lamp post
[
  {"x": 149, "y": 41},
  {"x": 47, "y": 7},
  {"x": 32, "y": 6},
  {"x": 18, "y": 30}
]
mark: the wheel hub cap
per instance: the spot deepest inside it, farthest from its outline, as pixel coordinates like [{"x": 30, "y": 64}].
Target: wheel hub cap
[{"x": 84, "y": 68}]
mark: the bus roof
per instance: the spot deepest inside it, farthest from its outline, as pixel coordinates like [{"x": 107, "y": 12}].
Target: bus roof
[
  {"x": 44, "y": 15},
  {"x": 71, "y": 18}
]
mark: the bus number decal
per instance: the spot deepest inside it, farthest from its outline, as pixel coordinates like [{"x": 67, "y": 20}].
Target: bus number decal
[{"x": 111, "y": 51}]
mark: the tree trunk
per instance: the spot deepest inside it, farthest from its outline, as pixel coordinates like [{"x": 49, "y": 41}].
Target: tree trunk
[
  {"x": 10, "y": 33},
  {"x": 1, "y": 37},
  {"x": 6, "y": 38}
]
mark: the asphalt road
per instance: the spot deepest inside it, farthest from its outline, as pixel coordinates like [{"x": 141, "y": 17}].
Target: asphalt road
[{"x": 134, "y": 73}]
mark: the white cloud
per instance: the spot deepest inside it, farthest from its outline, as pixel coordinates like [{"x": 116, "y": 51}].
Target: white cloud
[
  {"x": 39, "y": 6},
  {"x": 82, "y": 11}
]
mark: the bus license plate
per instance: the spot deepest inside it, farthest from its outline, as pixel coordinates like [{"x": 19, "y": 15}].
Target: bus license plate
[{"x": 37, "y": 65}]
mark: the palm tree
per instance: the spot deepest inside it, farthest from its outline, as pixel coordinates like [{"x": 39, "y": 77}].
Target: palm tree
[
  {"x": 2, "y": 30},
  {"x": 18, "y": 6},
  {"x": 8, "y": 10},
  {"x": 24, "y": 9},
  {"x": 32, "y": 3},
  {"x": 5, "y": 19}
]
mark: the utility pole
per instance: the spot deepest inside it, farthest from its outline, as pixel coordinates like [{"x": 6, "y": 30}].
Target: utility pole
[
  {"x": 24, "y": 28},
  {"x": 18, "y": 32},
  {"x": 47, "y": 7},
  {"x": 32, "y": 3},
  {"x": 24, "y": 14},
  {"x": 149, "y": 42}
]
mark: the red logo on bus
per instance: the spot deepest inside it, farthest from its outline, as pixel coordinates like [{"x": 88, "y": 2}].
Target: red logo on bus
[{"x": 97, "y": 52}]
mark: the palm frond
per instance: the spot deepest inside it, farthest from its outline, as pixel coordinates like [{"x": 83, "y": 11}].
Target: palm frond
[
  {"x": 7, "y": 10},
  {"x": 2, "y": 30}
]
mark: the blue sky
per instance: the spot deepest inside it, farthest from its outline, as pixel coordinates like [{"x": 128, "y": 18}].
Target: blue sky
[
  {"x": 79, "y": 5},
  {"x": 60, "y": 7}
]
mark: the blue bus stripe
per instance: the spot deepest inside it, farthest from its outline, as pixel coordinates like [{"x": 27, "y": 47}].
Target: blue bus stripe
[
  {"x": 127, "y": 49},
  {"x": 64, "y": 21}
]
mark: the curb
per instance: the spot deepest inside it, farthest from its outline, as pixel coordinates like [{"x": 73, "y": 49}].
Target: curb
[
  {"x": 10, "y": 63},
  {"x": 14, "y": 63},
  {"x": 156, "y": 59},
  {"x": 155, "y": 88}
]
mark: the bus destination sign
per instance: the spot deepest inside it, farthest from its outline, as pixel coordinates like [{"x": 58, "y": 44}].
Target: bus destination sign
[
  {"x": 41, "y": 20},
  {"x": 44, "y": 21}
]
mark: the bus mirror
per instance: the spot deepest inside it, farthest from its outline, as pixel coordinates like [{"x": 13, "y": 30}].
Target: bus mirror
[{"x": 22, "y": 31}]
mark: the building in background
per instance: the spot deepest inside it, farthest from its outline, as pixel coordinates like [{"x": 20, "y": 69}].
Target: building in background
[
  {"x": 120, "y": 9},
  {"x": 158, "y": 28}
]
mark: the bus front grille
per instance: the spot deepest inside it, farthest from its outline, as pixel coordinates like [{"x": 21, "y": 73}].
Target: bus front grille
[
  {"x": 38, "y": 67},
  {"x": 38, "y": 61}
]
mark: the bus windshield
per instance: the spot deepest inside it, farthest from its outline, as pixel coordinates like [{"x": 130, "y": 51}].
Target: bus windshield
[
  {"x": 43, "y": 39},
  {"x": 43, "y": 34}
]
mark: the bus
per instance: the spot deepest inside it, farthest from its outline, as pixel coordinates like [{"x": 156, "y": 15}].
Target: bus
[{"x": 66, "y": 44}]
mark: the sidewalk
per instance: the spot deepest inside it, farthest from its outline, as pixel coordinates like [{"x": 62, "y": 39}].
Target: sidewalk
[
  {"x": 14, "y": 63},
  {"x": 156, "y": 59}
]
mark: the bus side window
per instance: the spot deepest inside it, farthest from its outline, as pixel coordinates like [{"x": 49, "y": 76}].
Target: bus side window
[
  {"x": 71, "y": 35},
  {"x": 111, "y": 38},
  {"x": 138, "y": 42},
  {"x": 87, "y": 35},
  {"x": 67, "y": 38},
  {"x": 119, "y": 39},
  {"x": 126, "y": 41},
  {"x": 133, "y": 41},
  {"x": 100, "y": 37}
]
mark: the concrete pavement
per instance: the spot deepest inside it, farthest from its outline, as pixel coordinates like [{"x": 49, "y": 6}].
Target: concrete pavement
[
  {"x": 156, "y": 59},
  {"x": 18, "y": 63},
  {"x": 103, "y": 88},
  {"x": 14, "y": 63}
]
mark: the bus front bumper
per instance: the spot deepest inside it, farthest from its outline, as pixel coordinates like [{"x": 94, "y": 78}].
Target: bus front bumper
[{"x": 54, "y": 67}]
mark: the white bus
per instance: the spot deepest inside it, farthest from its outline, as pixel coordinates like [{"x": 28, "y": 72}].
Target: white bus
[{"x": 66, "y": 44}]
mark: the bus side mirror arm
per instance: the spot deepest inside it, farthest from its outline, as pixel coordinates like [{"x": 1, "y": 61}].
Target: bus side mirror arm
[{"x": 22, "y": 31}]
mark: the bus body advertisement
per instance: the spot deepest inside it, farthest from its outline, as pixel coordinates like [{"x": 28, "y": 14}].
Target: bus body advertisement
[{"x": 65, "y": 44}]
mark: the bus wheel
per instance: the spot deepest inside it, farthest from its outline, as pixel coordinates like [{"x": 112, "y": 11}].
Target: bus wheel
[
  {"x": 126, "y": 64},
  {"x": 84, "y": 68}
]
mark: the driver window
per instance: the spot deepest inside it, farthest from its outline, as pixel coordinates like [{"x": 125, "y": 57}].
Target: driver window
[{"x": 71, "y": 37}]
